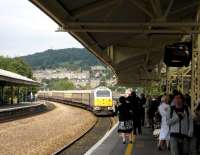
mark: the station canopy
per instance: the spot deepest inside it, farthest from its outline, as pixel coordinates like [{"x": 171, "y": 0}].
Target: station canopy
[
  {"x": 127, "y": 35},
  {"x": 10, "y": 78}
]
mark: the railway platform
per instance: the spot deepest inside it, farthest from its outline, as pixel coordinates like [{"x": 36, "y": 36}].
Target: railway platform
[
  {"x": 111, "y": 144},
  {"x": 14, "y": 107},
  {"x": 15, "y": 110}
]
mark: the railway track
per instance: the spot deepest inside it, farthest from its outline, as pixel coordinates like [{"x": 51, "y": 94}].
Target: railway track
[
  {"x": 86, "y": 141},
  {"x": 82, "y": 144}
]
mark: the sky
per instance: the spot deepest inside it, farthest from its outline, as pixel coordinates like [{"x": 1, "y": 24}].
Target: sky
[{"x": 24, "y": 29}]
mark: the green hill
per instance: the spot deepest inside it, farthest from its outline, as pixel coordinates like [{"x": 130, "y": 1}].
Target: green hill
[{"x": 72, "y": 58}]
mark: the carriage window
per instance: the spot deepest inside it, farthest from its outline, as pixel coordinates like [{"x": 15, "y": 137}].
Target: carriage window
[{"x": 103, "y": 93}]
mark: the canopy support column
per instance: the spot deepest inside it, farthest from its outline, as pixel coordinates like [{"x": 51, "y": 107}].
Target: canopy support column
[
  {"x": 18, "y": 95},
  {"x": 168, "y": 81},
  {"x": 12, "y": 94},
  {"x": 2, "y": 94},
  {"x": 195, "y": 91}
]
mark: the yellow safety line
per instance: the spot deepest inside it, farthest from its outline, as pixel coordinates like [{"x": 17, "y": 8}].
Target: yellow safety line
[{"x": 129, "y": 148}]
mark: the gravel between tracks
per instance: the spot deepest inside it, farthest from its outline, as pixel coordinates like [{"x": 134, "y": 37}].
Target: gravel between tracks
[
  {"x": 43, "y": 134},
  {"x": 86, "y": 142}
]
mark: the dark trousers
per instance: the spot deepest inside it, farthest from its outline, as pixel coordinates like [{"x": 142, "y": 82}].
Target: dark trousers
[
  {"x": 137, "y": 126},
  {"x": 179, "y": 146},
  {"x": 143, "y": 117},
  {"x": 198, "y": 144}
]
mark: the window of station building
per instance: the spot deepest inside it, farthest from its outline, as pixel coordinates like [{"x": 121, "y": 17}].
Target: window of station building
[{"x": 103, "y": 93}]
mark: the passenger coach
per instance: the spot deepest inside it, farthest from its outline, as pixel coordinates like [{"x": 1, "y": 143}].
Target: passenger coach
[{"x": 98, "y": 100}]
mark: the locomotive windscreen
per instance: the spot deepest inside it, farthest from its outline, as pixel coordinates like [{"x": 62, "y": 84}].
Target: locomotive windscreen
[{"x": 103, "y": 93}]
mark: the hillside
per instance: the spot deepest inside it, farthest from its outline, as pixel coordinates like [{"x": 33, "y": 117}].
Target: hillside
[{"x": 72, "y": 58}]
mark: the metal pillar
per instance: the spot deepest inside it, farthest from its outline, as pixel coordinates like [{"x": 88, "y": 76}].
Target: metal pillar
[
  {"x": 18, "y": 95},
  {"x": 168, "y": 81},
  {"x": 180, "y": 82},
  {"x": 2, "y": 94},
  {"x": 26, "y": 95},
  {"x": 12, "y": 94},
  {"x": 195, "y": 91}
]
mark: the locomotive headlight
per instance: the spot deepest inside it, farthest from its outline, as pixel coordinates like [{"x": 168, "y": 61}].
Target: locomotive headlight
[
  {"x": 110, "y": 108},
  {"x": 97, "y": 108}
]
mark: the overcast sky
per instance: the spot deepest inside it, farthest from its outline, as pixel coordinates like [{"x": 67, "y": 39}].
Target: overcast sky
[{"x": 24, "y": 29}]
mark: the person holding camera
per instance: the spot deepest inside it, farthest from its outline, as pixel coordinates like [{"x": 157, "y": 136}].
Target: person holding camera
[{"x": 179, "y": 119}]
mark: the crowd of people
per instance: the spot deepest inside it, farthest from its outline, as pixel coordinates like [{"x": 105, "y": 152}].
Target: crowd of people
[{"x": 179, "y": 130}]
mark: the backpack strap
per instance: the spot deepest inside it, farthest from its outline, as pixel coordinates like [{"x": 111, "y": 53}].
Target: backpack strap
[
  {"x": 171, "y": 114},
  {"x": 172, "y": 108},
  {"x": 171, "y": 111},
  {"x": 187, "y": 112}
]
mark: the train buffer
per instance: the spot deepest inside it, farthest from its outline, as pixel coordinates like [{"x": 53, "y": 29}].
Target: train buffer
[{"x": 111, "y": 144}]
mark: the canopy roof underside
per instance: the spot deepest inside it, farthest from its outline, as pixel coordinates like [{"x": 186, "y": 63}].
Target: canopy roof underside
[{"x": 127, "y": 35}]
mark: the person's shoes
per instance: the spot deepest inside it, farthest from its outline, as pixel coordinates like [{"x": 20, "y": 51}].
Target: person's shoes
[
  {"x": 131, "y": 142},
  {"x": 124, "y": 142}
]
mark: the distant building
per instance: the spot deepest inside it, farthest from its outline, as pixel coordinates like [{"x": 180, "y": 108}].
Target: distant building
[
  {"x": 94, "y": 83},
  {"x": 60, "y": 74},
  {"x": 98, "y": 68},
  {"x": 80, "y": 78}
]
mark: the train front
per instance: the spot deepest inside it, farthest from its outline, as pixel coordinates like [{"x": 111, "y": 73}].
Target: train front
[{"x": 103, "y": 102}]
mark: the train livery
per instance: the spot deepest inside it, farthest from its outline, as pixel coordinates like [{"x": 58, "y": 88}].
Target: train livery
[{"x": 98, "y": 100}]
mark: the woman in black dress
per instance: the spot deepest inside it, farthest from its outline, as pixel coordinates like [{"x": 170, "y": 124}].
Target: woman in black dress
[{"x": 125, "y": 119}]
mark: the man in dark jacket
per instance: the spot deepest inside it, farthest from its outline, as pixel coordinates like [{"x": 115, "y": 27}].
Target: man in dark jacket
[{"x": 135, "y": 104}]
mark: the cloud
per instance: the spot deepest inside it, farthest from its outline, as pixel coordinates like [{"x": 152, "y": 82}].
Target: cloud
[{"x": 25, "y": 29}]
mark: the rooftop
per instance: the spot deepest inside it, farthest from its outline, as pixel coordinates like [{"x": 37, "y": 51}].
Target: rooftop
[{"x": 10, "y": 78}]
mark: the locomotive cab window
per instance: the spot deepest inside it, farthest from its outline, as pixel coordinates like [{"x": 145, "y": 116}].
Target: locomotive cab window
[{"x": 103, "y": 93}]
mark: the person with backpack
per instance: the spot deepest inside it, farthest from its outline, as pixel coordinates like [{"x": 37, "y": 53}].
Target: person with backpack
[
  {"x": 164, "y": 131},
  {"x": 179, "y": 119}
]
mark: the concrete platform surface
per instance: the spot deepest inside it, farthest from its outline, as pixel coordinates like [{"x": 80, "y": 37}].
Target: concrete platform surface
[{"x": 111, "y": 144}]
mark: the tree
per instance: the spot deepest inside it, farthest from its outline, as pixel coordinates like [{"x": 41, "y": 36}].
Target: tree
[
  {"x": 60, "y": 84},
  {"x": 16, "y": 65},
  {"x": 72, "y": 58}
]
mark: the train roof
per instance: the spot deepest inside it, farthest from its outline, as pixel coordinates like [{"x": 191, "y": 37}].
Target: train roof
[
  {"x": 77, "y": 91},
  {"x": 69, "y": 91},
  {"x": 102, "y": 88}
]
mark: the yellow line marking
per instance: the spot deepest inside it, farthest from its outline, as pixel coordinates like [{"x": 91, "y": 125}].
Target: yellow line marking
[{"x": 129, "y": 148}]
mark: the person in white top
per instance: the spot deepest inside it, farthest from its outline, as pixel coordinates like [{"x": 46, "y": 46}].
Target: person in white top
[{"x": 164, "y": 131}]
